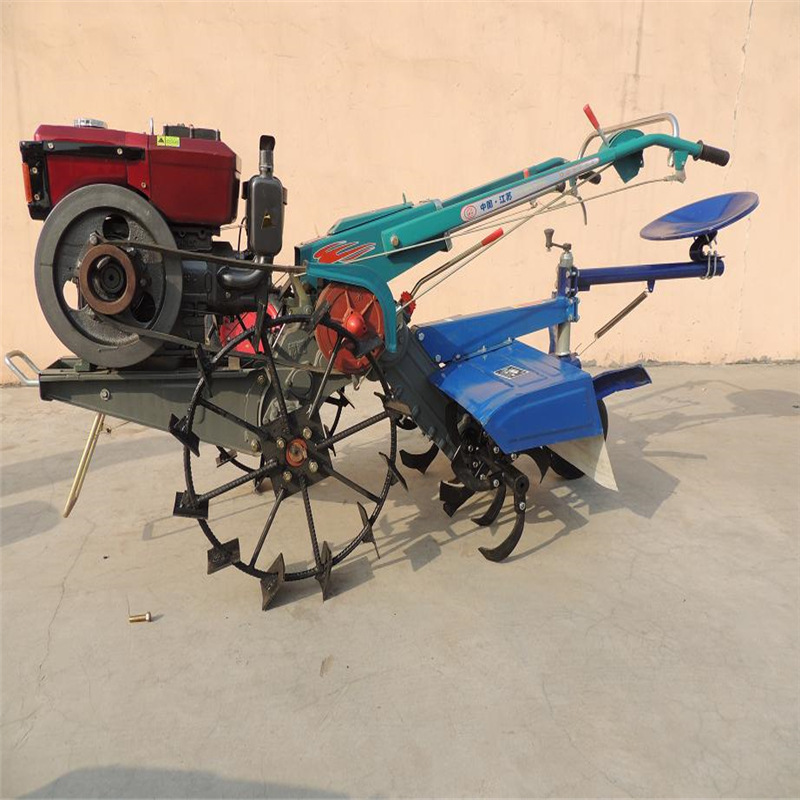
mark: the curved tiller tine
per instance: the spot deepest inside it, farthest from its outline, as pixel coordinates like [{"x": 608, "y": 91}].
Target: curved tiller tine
[
  {"x": 494, "y": 509},
  {"x": 519, "y": 483}
]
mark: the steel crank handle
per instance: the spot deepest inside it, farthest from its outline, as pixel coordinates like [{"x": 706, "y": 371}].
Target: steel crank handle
[{"x": 24, "y": 379}]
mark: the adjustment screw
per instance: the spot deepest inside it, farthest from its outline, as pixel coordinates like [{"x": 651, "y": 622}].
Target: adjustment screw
[
  {"x": 306, "y": 433},
  {"x": 280, "y": 443},
  {"x": 313, "y": 466},
  {"x": 105, "y": 394},
  {"x": 261, "y": 379},
  {"x": 255, "y": 445},
  {"x": 287, "y": 476}
]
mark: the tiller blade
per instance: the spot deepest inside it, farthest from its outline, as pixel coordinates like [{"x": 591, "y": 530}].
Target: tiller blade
[
  {"x": 419, "y": 461},
  {"x": 494, "y": 509},
  {"x": 519, "y": 484},
  {"x": 453, "y": 496}
]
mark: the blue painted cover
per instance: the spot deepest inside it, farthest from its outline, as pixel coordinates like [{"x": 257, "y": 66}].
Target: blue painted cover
[
  {"x": 701, "y": 217},
  {"x": 523, "y": 398},
  {"x": 462, "y": 336}
]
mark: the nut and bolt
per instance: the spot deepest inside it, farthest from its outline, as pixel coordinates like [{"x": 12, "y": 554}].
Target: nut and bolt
[
  {"x": 280, "y": 443},
  {"x": 495, "y": 449},
  {"x": 50, "y": 145},
  {"x": 105, "y": 394},
  {"x": 306, "y": 433},
  {"x": 94, "y": 238},
  {"x": 474, "y": 464},
  {"x": 146, "y": 617},
  {"x": 395, "y": 240},
  {"x": 144, "y": 184},
  {"x": 313, "y": 466},
  {"x": 37, "y": 196},
  {"x": 496, "y": 483},
  {"x": 287, "y": 476},
  {"x": 522, "y": 506},
  {"x": 34, "y": 170},
  {"x": 119, "y": 151},
  {"x": 483, "y": 476},
  {"x": 255, "y": 445},
  {"x": 261, "y": 379}
]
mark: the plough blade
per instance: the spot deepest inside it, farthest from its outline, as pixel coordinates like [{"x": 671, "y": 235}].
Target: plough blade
[
  {"x": 419, "y": 461},
  {"x": 494, "y": 509}
]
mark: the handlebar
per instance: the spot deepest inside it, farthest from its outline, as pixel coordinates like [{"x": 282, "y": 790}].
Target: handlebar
[{"x": 714, "y": 155}]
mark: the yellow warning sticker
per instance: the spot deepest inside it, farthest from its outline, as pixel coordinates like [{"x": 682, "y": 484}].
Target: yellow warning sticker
[{"x": 168, "y": 141}]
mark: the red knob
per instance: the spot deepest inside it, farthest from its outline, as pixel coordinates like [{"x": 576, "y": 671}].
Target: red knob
[
  {"x": 492, "y": 237},
  {"x": 356, "y": 325}
]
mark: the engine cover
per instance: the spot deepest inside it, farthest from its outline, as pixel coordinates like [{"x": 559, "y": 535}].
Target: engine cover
[{"x": 190, "y": 180}]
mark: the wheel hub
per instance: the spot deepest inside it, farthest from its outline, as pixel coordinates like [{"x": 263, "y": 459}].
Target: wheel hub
[{"x": 107, "y": 279}]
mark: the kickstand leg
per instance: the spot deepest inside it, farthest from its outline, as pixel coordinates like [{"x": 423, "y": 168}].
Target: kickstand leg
[{"x": 83, "y": 464}]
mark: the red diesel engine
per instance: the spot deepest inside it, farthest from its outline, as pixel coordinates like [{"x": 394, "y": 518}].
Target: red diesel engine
[{"x": 127, "y": 256}]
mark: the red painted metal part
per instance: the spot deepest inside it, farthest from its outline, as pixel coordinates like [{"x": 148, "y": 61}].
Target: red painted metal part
[
  {"x": 359, "y": 311},
  {"x": 195, "y": 183},
  {"x": 231, "y": 327}
]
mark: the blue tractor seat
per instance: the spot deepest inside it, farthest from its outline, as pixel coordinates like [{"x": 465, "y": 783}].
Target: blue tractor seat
[{"x": 703, "y": 218}]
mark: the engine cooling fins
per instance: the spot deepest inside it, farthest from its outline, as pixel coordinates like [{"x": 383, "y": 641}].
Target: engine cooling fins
[{"x": 419, "y": 461}]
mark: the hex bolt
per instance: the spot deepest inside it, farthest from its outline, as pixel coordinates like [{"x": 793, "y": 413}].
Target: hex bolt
[
  {"x": 522, "y": 506},
  {"x": 50, "y": 145},
  {"x": 495, "y": 483},
  {"x": 119, "y": 151},
  {"x": 495, "y": 449},
  {"x": 313, "y": 466},
  {"x": 105, "y": 394},
  {"x": 287, "y": 476},
  {"x": 146, "y": 617},
  {"x": 421, "y": 336},
  {"x": 34, "y": 170},
  {"x": 144, "y": 184},
  {"x": 37, "y": 196},
  {"x": 474, "y": 464},
  {"x": 395, "y": 240},
  {"x": 483, "y": 476},
  {"x": 94, "y": 238},
  {"x": 280, "y": 443},
  {"x": 255, "y": 445},
  {"x": 307, "y": 433},
  {"x": 261, "y": 380}
]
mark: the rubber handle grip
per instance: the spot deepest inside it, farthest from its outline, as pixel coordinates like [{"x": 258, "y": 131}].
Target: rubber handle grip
[
  {"x": 714, "y": 155},
  {"x": 587, "y": 109},
  {"x": 492, "y": 237}
]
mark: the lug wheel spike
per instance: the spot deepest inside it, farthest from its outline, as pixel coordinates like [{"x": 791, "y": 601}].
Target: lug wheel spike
[
  {"x": 369, "y": 536},
  {"x": 494, "y": 509},
  {"x": 323, "y": 575},
  {"x": 396, "y": 476},
  {"x": 179, "y": 429},
  {"x": 327, "y": 436},
  {"x": 506, "y": 547},
  {"x": 419, "y": 461},
  {"x": 184, "y": 508},
  {"x": 272, "y": 581},
  {"x": 453, "y": 496},
  {"x": 223, "y": 556}
]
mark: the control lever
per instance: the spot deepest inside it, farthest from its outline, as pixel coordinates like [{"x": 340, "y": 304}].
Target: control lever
[
  {"x": 587, "y": 109},
  {"x": 550, "y": 244}
]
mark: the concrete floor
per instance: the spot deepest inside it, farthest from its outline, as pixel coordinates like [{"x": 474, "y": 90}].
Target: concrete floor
[{"x": 639, "y": 643}]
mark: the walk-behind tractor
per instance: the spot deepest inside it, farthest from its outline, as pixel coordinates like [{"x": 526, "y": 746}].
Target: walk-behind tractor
[{"x": 257, "y": 363}]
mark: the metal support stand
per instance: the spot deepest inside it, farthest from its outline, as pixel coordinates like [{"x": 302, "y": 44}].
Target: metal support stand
[{"x": 83, "y": 464}]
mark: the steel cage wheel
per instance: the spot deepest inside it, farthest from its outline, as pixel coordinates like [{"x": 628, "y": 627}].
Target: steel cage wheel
[{"x": 377, "y": 499}]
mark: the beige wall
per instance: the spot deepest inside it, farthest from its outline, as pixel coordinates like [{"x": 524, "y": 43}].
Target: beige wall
[{"x": 372, "y": 100}]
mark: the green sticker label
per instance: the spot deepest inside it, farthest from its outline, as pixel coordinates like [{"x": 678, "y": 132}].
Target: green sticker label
[{"x": 168, "y": 141}]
